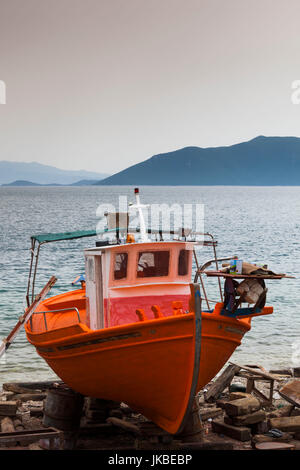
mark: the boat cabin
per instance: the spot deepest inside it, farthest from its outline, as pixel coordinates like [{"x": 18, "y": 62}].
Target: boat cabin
[{"x": 123, "y": 278}]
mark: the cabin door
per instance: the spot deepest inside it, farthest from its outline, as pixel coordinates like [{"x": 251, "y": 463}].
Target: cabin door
[{"x": 94, "y": 291}]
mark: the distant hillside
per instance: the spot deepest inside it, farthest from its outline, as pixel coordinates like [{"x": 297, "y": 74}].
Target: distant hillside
[
  {"x": 21, "y": 183},
  {"x": 43, "y": 174},
  {"x": 262, "y": 161},
  {"x": 84, "y": 183},
  {"x": 30, "y": 183}
]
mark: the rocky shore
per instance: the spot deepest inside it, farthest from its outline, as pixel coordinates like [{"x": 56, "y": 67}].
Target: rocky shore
[{"x": 244, "y": 408}]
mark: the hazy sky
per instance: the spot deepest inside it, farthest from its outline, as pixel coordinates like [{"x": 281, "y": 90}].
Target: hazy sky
[{"x": 104, "y": 84}]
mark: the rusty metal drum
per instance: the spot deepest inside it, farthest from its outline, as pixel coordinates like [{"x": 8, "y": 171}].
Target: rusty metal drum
[{"x": 63, "y": 408}]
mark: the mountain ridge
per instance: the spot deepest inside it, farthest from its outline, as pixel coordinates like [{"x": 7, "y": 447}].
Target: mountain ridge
[
  {"x": 261, "y": 161},
  {"x": 43, "y": 174},
  {"x": 25, "y": 183}
]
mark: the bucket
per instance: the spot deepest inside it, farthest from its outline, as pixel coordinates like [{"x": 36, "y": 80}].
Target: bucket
[{"x": 63, "y": 409}]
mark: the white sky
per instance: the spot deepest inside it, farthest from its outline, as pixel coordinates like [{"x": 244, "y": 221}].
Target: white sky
[{"x": 104, "y": 84}]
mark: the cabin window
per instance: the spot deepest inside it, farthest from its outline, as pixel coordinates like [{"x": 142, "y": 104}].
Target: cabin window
[
  {"x": 153, "y": 264},
  {"x": 183, "y": 262},
  {"x": 120, "y": 267}
]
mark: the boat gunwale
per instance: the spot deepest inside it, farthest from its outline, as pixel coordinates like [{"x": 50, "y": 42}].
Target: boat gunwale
[
  {"x": 88, "y": 334},
  {"x": 112, "y": 329}
]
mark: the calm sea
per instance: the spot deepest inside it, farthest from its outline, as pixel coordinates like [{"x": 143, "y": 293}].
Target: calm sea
[{"x": 258, "y": 224}]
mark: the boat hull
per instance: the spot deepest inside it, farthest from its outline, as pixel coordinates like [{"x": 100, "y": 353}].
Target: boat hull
[{"x": 148, "y": 365}]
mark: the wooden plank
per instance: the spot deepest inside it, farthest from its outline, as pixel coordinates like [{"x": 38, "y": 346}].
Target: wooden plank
[
  {"x": 256, "y": 371},
  {"x": 24, "y": 387},
  {"x": 5, "y": 343},
  {"x": 281, "y": 412},
  {"x": 29, "y": 435},
  {"x": 247, "y": 276},
  {"x": 249, "y": 375},
  {"x": 206, "y": 413},
  {"x": 261, "y": 396},
  {"x": 221, "y": 403},
  {"x": 221, "y": 382},
  {"x": 260, "y": 428},
  {"x": 288, "y": 423},
  {"x": 245, "y": 420},
  {"x": 216, "y": 444},
  {"x": 281, "y": 372},
  {"x": 30, "y": 396},
  {"x": 238, "y": 395},
  {"x": 286, "y": 437},
  {"x": 243, "y": 406},
  {"x": 274, "y": 446},
  {"x": 240, "y": 433},
  {"x": 8, "y": 408},
  {"x": 125, "y": 425}
]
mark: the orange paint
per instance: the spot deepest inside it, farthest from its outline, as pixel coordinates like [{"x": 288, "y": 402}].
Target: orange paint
[{"x": 147, "y": 364}]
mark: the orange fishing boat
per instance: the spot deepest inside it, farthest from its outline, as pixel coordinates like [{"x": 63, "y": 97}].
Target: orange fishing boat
[{"x": 136, "y": 332}]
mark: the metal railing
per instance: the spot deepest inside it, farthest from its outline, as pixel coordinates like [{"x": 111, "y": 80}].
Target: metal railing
[
  {"x": 201, "y": 269},
  {"x": 53, "y": 311}
]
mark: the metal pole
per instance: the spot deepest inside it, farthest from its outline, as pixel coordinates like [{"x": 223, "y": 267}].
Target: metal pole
[
  {"x": 198, "y": 274},
  {"x": 30, "y": 271},
  {"x": 35, "y": 269},
  {"x": 217, "y": 267}
]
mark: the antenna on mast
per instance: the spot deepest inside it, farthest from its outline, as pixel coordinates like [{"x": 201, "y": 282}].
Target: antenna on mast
[{"x": 139, "y": 207}]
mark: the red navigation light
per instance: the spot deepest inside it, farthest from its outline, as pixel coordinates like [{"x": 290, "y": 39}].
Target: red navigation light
[{"x": 136, "y": 190}]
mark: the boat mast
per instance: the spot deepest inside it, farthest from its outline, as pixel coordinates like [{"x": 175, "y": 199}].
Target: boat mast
[{"x": 139, "y": 207}]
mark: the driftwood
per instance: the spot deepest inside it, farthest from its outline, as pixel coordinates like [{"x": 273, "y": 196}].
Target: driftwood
[{"x": 222, "y": 382}]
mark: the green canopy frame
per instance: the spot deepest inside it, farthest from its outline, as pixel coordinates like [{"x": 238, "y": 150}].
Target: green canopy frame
[{"x": 37, "y": 241}]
